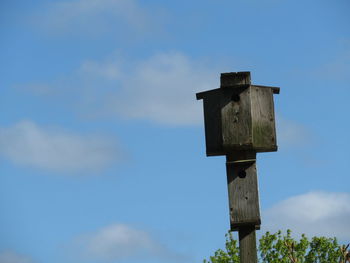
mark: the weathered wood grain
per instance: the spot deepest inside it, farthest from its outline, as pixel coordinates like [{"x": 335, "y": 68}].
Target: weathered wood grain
[
  {"x": 243, "y": 191},
  {"x": 263, "y": 119},
  {"x": 236, "y": 119},
  {"x": 247, "y": 245}
]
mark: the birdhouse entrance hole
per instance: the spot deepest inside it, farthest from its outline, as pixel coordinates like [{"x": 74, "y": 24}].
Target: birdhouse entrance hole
[
  {"x": 235, "y": 97},
  {"x": 242, "y": 174}
]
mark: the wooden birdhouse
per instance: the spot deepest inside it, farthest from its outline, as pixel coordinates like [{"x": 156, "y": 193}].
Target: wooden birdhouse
[{"x": 239, "y": 116}]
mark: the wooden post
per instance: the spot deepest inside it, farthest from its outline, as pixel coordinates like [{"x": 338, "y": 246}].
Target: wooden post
[
  {"x": 244, "y": 201},
  {"x": 247, "y": 244}
]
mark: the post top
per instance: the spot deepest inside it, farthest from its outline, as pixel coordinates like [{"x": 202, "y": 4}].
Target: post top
[{"x": 235, "y": 78}]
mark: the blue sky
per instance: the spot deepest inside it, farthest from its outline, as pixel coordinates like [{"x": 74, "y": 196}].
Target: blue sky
[{"x": 102, "y": 145}]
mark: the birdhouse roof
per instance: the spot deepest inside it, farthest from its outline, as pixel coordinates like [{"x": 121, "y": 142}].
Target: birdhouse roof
[{"x": 203, "y": 94}]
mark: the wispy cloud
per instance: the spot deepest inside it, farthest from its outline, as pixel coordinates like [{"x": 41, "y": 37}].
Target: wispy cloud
[
  {"x": 162, "y": 89},
  {"x": 28, "y": 144},
  {"x": 313, "y": 213},
  {"x": 13, "y": 257},
  {"x": 109, "y": 70},
  {"x": 159, "y": 89},
  {"x": 122, "y": 242},
  {"x": 291, "y": 133},
  {"x": 94, "y": 17}
]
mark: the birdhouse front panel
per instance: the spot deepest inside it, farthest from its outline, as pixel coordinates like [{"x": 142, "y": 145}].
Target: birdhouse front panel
[{"x": 236, "y": 119}]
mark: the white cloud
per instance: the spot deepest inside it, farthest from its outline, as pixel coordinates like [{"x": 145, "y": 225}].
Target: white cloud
[
  {"x": 122, "y": 242},
  {"x": 28, "y": 144},
  {"x": 12, "y": 257},
  {"x": 291, "y": 133},
  {"x": 161, "y": 89},
  {"x": 93, "y": 17},
  {"x": 313, "y": 213},
  {"x": 109, "y": 70}
]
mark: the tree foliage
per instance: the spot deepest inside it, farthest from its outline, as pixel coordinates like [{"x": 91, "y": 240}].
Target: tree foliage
[{"x": 283, "y": 248}]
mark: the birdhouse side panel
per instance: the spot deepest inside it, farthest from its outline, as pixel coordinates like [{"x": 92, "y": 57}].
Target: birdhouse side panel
[
  {"x": 236, "y": 120},
  {"x": 263, "y": 119},
  {"x": 212, "y": 122}
]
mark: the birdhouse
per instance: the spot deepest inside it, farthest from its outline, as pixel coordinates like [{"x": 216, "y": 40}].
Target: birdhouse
[{"x": 239, "y": 116}]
